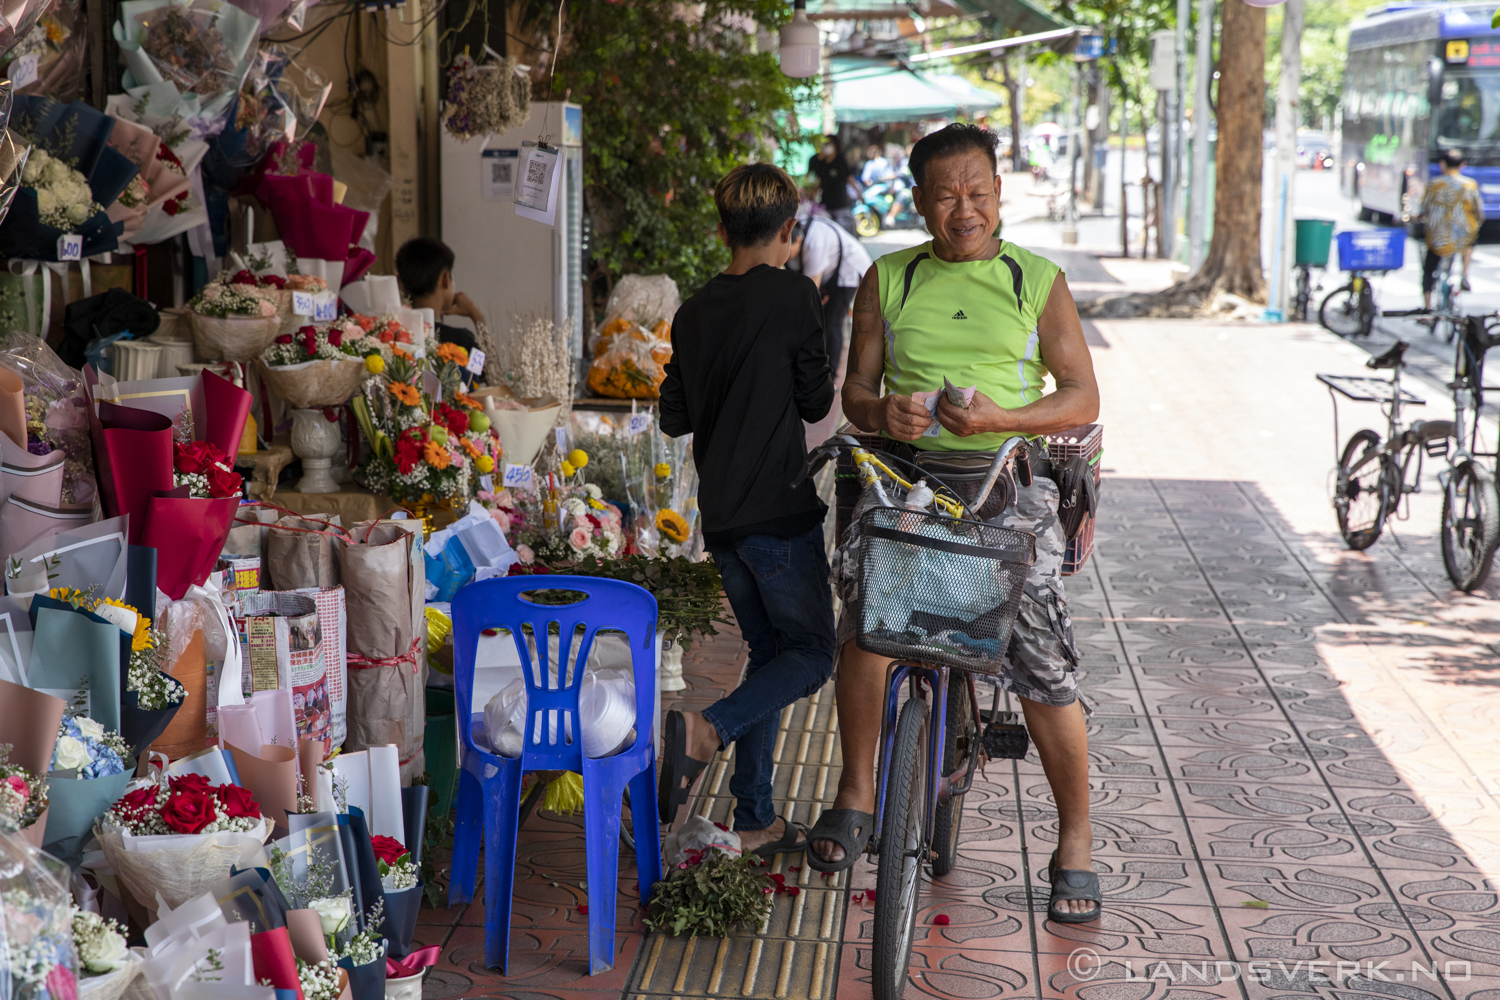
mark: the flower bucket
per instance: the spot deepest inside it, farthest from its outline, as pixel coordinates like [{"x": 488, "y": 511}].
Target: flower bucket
[
  {"x": 315, "y": 384},
  {"x": 232, "y": 338}
]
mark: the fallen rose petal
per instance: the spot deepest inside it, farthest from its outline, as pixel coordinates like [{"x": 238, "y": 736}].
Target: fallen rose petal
[
  {"x": 941, "y": 920},
  {"x": 870, "y": 895},
  {"x": 721, "y": 826},
  {"x": 778, "y": 879},
  {"x": 795, "y": 868},
  {"x": 583, "y": 910},
  {"x": 794, "y": 891}
]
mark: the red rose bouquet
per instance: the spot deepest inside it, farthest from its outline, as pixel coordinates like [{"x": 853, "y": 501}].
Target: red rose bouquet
[
  {"x": 180, "y": 838},
  {"x": 205, "y": 470},
  {"x": 397, "y": 869}
]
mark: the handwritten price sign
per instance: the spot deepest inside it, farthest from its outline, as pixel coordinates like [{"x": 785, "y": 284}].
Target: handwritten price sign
[{"x": 518, "y": 477}]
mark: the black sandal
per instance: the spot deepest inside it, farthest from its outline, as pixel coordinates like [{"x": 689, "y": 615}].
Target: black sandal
[
  {"x": 840, "y": 826},
  {"x": 678, "y": 770},
  {"x": 792, "y": 840},
  {"x": 1072, "y": 883}
]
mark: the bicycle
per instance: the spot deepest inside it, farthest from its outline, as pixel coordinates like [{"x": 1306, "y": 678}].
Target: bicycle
[
  {"x": 1302, "y": 292},
  {"x": 1374, "y": 476},
  {"x": 1350, "y": 309},
  {"x": 922, "y": 574}
]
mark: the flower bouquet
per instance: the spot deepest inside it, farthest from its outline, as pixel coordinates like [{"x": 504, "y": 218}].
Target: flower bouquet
[
  {"x": 90, "y": 768},
  {"x": 180, "y": 838},
  {"x": 35, "y": 924},
  {"x": 485, "y": 99},
  {"x": 152, "y": 696},
  {"x": 106, "y": 965},
  {"x": 321, "y": 366},
  {"x": 56, "y": 418},
  {"x": 233, "y": 322},
  {"x": 23, "y": 798},
  {"x": 172, "y": 209},
  {"x": 204, "y": 470}
]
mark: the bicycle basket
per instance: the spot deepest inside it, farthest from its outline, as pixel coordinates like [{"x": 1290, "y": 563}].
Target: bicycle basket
[{"x": 934, "y": 589}]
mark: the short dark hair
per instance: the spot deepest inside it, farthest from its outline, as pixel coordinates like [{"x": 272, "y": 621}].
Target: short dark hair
[
  {"x": 950, "y": 141},
  {"x": 1454, "y": 158},
  {"x": 420, "y": 264},
  {"x": 754, "y": 200}
]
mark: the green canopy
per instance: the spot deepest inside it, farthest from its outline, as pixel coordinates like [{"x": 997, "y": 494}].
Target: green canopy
[
  {"x": 869, "y": 91},
  {"x": 1021, "y": 17}
]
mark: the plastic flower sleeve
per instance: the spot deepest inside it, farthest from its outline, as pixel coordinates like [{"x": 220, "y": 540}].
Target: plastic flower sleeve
[
  {"x": 19, "y": 19},
  {"x": 36, "y": 927},
  {"x": 203, "y": 47}
]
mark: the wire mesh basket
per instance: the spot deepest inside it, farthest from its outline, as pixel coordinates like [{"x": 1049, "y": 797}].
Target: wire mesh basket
[{"x": 934, "y": 589}]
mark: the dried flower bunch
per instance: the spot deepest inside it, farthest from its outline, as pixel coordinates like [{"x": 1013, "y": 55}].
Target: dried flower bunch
[
  {"x": 187, "y": 46},
  {"x": 538, "y": 360},
  {"x": 485, "y": 100}
]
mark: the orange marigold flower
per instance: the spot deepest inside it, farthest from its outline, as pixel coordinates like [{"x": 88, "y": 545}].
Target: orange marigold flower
[
  {"x": 463, "y": 399},
  {"x": 453, "y": 353},
  {"x": 435, "y": 454},
  {"x": 469, "y": 447},
  {"x": 398, "y": 352},
  {"x": 406, "y": 394}
]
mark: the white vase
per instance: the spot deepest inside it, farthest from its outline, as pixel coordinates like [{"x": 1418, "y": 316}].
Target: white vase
[
  {"x": 315, "y": 440},
  {"x": 671, "y": 667}
]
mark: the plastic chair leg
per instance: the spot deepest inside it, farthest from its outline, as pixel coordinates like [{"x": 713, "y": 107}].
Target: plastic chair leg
[
  {"x": 601, "y": 831},
  {"x": 467, "y": 831},
  {"x": 647, "y": 832},
  {"x": 502, "y": 805}
]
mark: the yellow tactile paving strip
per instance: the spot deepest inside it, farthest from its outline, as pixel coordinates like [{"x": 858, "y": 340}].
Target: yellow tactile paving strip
[{"x": 794, "y": 953}]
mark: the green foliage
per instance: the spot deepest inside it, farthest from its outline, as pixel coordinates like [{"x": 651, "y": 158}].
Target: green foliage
[
  {"x": 689, "y": 595},
  {"x": 712, "y": 897},
  {"x": 1325, "y": 48},
  {"x": 672, "y": 105}
]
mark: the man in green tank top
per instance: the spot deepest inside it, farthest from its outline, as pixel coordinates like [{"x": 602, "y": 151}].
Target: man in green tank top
[{"x": 977, "y": 311}]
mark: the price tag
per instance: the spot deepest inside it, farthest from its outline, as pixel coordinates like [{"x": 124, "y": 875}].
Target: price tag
[
  {"x": 23, "y": 72},
  {"x": 518, "y": 477},
  {"x": 561, "y": 435},
  {"x": 70, "y": 247},
  {"x": 476, "y": 362},
  {"x": 637, "y": 423},
  {"x": 325, "y": 307},
  {"x": 302, "y": 303}
]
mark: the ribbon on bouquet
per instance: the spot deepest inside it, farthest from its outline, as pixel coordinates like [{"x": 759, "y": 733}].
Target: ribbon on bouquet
[
  {"x": 211, "y": 594},
  {"x": 413, "y": 964},
  {"x": 28, "y": 269}
]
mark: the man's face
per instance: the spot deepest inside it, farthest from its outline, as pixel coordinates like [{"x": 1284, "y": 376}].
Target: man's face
[
  {"x": 960, "y": 202},
  {"x": 827, "y": 151}
]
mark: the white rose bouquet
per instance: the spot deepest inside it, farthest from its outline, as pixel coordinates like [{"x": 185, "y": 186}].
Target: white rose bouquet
[
  {"x": 63, "y": 198},
  {"x": 106, "y": 966},
  {"x": 91, "y": 766}
]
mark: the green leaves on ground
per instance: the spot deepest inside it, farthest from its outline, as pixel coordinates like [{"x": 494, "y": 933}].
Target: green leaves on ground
[
  {"x": 689, "y": 595},
  {"x": 712, "y": 897}
]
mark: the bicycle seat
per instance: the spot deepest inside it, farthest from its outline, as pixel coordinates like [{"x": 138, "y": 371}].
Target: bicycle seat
[{"x": 1391, "y": 358}]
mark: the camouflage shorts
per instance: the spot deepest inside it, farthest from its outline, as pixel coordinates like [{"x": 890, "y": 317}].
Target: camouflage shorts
[{"x": 1040, "y": 660}]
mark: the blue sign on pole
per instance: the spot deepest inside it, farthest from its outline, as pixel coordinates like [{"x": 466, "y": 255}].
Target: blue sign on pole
[{"x": 1089, "y": 47}]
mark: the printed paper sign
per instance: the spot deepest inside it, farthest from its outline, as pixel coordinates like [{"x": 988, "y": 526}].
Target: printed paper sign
[
  {"x": 302, "y": 303},
  {"x": 69, "y": 247},
  {"x": 561, "y": 435},
  {"x": 637, "y": 423},
  {"x": 497, "y": 179},
  {"x": 476, "y": 362},
  {"x": 23, "y": 72},
  {"x": 518, "y": 477}
]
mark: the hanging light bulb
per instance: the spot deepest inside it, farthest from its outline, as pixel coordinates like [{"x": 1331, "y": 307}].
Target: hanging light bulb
[{"x": 801, "y": 46}]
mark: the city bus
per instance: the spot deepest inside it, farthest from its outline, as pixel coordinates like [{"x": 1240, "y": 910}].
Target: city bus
[{"x": 1421, "y": 78}]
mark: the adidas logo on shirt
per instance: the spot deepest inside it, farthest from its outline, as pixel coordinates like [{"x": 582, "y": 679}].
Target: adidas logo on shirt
[{"x": 960, "y": 315}]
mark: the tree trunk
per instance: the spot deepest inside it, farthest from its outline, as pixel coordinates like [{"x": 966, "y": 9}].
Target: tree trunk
[
  {"x": 1013, "y": 84},
  {"x": 1233, "y": 262}
]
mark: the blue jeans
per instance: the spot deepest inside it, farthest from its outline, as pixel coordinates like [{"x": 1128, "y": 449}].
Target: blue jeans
[{"x": 778, "y": 588}]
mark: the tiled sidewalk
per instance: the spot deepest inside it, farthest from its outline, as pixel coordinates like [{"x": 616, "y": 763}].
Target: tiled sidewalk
[{"x": 1294, "y": 766}]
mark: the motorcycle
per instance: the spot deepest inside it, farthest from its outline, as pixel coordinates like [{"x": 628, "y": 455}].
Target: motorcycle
[{"x": 872, "y": 210}]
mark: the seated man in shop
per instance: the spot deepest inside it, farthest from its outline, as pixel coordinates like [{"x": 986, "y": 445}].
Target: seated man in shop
[
  {"x": 979, "y": 311},
  {"x": 425, "y": 267}
]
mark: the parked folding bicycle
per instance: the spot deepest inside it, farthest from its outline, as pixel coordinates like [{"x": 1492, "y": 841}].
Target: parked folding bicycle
[{"x": 938, "y": 591}]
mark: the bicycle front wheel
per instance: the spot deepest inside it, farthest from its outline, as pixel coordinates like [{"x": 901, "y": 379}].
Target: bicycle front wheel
[
  {"x": 866, "y": 221},
  {"x": 1342, "y": 311},
  {"x": 1360, "y": 495},
  {"x": 898, "y": 881},
  {"x": 1471, "y": 526}
]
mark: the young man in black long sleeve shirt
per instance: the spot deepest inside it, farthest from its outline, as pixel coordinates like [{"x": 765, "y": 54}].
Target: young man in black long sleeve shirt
[{"x": 748, "y": 367}]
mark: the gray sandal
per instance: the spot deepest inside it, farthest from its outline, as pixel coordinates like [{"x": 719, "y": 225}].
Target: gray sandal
[
  {"x": 1072, "y": 883},
  {"x": 849, "y": 828}
]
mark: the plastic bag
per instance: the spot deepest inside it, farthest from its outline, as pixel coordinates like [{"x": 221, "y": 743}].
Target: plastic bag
[
  {"x": 36, "y": 924},
  {"x": 56, "y": 414},
  {"x": 697, "y": 834},
  {"x": 628, "y": 361},
  {"x": 644, "y": 299},
  {"x": 606, "y": 702}
]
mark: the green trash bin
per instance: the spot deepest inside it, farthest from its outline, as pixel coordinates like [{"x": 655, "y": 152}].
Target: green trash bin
[{"x": 1314, "y": 237}]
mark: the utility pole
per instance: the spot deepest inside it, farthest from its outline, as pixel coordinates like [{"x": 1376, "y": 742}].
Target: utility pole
[
  {"x": 1202, "y": 116},
  {"x": 1288, "y": 90},
  {"x": 1070, "y": 219},
  {"x": 1163, "y": 78},
  {"x": 1179, "y": 105}
]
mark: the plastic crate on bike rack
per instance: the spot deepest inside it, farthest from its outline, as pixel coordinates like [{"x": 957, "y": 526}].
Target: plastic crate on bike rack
[
  {"x": 935, "y": 589},
  {"x": 1372, "y": 249},
  {"x": 1086, "y": 440}
]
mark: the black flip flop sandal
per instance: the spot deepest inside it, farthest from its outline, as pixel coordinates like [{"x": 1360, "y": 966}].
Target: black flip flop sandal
[
  {"x": 1072, "y": 883},
  {"x": 839, "y": 826},
  {"x": 678, "y": 770},
  {"x": 794, "y": 839}
]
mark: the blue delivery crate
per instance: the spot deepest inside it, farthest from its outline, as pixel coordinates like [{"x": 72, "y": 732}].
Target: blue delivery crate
[{"x": 1372, "y": 249}]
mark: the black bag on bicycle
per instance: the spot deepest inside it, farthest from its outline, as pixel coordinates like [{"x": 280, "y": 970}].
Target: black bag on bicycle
[{"x": 1077, "y": 494}]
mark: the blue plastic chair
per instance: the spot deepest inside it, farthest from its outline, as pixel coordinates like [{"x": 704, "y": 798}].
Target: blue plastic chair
[{"x": 489, "y": 786}]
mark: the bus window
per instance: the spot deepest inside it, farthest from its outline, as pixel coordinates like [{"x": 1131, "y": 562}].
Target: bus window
[{"x": 1470, "y": 112}]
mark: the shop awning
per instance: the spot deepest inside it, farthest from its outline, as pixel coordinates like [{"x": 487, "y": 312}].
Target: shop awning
[
  {"x": 868, "y": 91},
  {"x": 1023, "y": 17}
]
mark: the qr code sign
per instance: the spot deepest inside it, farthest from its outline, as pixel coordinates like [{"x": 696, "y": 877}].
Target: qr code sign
[
  {"x": 536, "y": 172},
  {"x": 500, "y": 173}
]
